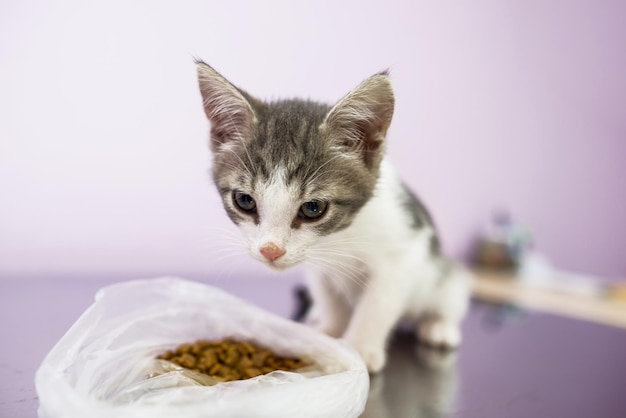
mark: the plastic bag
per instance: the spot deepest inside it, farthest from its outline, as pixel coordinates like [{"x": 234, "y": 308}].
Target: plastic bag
[{"x": 101, "y": 366}]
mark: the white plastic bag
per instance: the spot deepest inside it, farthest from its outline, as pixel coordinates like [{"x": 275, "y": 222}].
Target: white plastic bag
[{"x": 100, "y": 367}]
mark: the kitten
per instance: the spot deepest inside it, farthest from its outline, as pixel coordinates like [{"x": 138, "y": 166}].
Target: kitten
[{"x": 308, "y": 182}]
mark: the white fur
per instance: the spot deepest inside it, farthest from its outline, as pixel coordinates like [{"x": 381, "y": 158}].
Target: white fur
[
  {"x": 400, "y": 279},
  {"x": 276, "y": 206},
  {"x": 365, "y": 278}
]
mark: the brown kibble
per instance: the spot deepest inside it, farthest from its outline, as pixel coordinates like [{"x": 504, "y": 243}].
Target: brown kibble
[
  {"x": 291, "y": 363},
  {"x": 224, "y": 371},
  {"x": 244, "y": 363},
  {"x": 259, "y": 358},
  {"x": 232, "y": 356},
  {"x": 209, "y": 356},
  {"x": 215, "y": 369},
  {"x": 187, "y": 360},
  {"x": 229, "y": 360},
  {"x": 267, "y": 370},
  {"x": 272, "y": 362},
  {"x": 197, "y": 349},
  {"x": 185, "y": 348},
  {"x": 247, "y": 347}
]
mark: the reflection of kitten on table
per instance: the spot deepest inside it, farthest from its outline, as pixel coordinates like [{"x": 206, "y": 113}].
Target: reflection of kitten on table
[{"x": 418, "y": 382}]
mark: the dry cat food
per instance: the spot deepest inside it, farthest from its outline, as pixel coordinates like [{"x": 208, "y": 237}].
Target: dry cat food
[{"x": 229, "y": 360}]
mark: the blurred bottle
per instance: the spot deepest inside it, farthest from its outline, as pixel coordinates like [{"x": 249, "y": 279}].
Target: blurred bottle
[{"x": 502, "y": 244}]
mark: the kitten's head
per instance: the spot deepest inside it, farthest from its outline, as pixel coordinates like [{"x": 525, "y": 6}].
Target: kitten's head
[{"x": 294, "y": 171}]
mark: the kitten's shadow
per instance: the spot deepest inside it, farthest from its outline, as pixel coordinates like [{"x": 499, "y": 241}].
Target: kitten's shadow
[{"x": 418, "y": 381}]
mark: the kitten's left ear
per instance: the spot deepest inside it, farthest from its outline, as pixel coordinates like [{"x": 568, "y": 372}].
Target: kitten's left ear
[{"x": 359, "y": 122}]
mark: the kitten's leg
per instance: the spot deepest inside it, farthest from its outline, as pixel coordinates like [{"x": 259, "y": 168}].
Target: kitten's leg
[
  {"x": 330, "y": 312},
  {"x": 446, "y": 308},
  {"x": 381, "y": 305}
]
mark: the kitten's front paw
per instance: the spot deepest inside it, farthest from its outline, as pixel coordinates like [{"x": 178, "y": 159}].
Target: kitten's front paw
[
  {"x": 439, "y": 334},
  {"x": 374, "y": 357}
]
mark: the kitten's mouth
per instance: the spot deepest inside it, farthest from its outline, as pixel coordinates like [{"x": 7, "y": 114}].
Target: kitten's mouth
[
  {"x": 283, "y": 262},
  {"x": 278, "y": 264}
]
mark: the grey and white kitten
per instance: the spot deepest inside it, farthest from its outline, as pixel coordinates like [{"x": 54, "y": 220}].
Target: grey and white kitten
[{"x": 308, "y": 182}]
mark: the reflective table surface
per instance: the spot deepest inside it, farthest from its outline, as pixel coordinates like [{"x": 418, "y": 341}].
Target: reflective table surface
[{"x": 511, "y": 364}]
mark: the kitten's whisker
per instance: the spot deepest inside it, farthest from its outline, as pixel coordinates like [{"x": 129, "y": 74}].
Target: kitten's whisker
[
  {"x": 348, "y": 240},
  {"x": 307, "y": 182},
  {"x": 222, "y": 272},
  {"x": 225, "y": 269},
  {"x": 330, "y": 274},
  {"x": 231, "y": 250},
  {"x": 332, "y": 253},
  {"x": 228, "y": 255},
  {"x": 351, "y": 271},
  {"x": 225, "y": 239},
  {"x": 219, "y": 235},
  {"x": 337, "y": 280},
  {"x": 227, "y": 243},
  {"x": 320, "y": 251},
  {"x": 345, "y": 270},
  {"x": 341, "y": 279},
  {"x": 230, "y": 230},
  {"x": 227, "y": 233},
  {"x": 218, "y": 238}
]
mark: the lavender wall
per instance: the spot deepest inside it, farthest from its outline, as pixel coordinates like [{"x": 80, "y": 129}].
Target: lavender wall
[{"x": 103, "y": 153}]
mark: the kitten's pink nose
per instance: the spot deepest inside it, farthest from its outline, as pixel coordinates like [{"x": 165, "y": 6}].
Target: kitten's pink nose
[{"x": 271, "y": 251}]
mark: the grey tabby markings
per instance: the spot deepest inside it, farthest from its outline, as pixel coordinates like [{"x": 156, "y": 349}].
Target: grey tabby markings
[
  {"x": 419, "y": 214},
  {"x": 420, "y": 217},
  {"x": 305, "y": 140}
]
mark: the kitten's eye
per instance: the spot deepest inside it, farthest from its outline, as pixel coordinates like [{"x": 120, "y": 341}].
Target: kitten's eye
[
  {"x": 312, "y": 210},
  {"x": 244, "y": 201}
]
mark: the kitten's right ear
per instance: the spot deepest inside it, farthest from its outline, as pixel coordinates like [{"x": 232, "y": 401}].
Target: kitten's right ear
[{"x": 230, "y": 113}]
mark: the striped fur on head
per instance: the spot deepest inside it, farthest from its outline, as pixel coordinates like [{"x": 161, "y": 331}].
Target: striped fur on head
[{"x": 289, "y": 152}]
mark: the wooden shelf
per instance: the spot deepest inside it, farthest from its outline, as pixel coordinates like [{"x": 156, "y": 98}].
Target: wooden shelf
[{"x": 502, "y": 288}]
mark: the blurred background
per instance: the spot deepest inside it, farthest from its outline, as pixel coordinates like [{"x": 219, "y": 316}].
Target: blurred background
[{"x": 513, "y": 110}]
